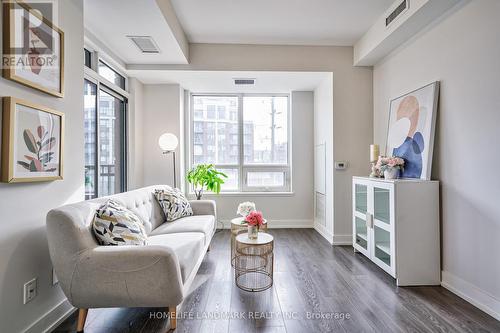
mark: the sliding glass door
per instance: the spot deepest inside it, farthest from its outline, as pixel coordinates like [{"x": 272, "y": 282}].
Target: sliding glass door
[
  {"x": 105, "y": 149},
  {"x": 111, "y": 143}
]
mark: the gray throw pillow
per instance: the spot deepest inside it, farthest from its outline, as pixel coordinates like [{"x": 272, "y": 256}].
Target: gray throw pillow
[
  {"x": 116, "y": 225},
  {"x": 173, "y": 203}
]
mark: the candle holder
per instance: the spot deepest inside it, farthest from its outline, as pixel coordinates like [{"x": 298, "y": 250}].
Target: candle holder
[
  {"x": 374, "y": 155},
  {"x": 374, "y": 173}
]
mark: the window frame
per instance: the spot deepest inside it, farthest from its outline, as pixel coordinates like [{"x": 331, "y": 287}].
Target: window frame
[
  {"x": 244, "y": 169},
  {"x": 102, "y": 84}
]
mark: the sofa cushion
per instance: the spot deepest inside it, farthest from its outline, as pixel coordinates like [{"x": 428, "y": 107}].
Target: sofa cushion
[
  {"x": 196, "y": 223},
  {"x": 115, "y": 225},
  {"x": 173, "y": 203},
  {"x": 188, "y": 247}
]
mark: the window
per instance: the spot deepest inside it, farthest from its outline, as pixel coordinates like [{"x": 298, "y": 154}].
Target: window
[
  {"x": 105, "y": 136},
  {"x": 87, "y": 58},
  {"x": 111, "y": 75},
  {"x": 244, "y": 136}
]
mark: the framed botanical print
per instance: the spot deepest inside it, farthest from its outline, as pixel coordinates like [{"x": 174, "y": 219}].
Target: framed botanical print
[
  {"x": 32, "y": 142},
  {"x": 33, "y": 46}
]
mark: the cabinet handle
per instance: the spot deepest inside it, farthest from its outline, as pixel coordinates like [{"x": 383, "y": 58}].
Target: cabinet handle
[{"x": 369, "y": 220}]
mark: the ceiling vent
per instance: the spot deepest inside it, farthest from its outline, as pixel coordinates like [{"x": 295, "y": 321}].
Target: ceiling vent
[
  {"x": 146, "y": 44},
  {"x": 402, "y": 7},
  {"x": 246, "y": 82}
]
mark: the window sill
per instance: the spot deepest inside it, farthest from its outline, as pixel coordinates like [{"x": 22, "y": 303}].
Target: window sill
[{"x": 191, "y": 196}]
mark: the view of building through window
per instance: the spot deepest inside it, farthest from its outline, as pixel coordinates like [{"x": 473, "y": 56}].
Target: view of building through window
[
  {"x": 246, "y": 137},
  {"x": 104, "y": 121}
]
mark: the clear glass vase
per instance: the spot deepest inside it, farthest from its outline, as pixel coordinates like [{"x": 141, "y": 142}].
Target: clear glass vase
[{"x": 253, "y": 232}]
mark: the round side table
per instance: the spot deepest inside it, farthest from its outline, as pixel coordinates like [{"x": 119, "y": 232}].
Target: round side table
[
  {"x": 253, "y": 264},
  {"x": 238, "y": 226}
]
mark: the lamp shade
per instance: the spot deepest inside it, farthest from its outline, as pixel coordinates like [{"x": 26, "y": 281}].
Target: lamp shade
[{"x": 168, "y": 142}]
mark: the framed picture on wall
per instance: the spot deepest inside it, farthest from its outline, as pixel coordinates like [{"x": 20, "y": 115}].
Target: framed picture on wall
[
  {"x": 32, "y": 142},
  {"x": 412, "y": 121},
  {"x": 33, "y": 47}
]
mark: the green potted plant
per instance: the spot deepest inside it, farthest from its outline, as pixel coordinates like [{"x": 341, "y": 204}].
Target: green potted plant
[{"x": 205, "y": 176}]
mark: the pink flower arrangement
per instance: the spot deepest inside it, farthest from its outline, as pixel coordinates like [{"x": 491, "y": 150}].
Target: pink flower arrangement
[
  {"x": 384, "y": 163},
  {"x": 255, "y": 219}
]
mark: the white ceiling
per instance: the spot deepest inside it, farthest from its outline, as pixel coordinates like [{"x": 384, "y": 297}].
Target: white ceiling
[
  {"x": 112, "y": 20},
  {"x": 222, "y": 81},
  {"x": 295, "y": 22}
]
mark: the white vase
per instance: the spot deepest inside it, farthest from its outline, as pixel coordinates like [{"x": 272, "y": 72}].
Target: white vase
[
  {"x": 253, "y": 232},
  {"x": 391, "y": 173}
]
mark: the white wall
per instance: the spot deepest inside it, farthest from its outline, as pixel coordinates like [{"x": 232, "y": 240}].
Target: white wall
[
  {"x": 135, "y": 122},
  {"x": 323, "y": 134},
  {"x": 23, "y": 242},
  {"x": 463, "y": 52},
  {"x": 162, "y": 112}
]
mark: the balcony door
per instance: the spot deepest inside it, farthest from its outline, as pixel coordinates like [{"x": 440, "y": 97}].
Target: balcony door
[{"x": 105, "y": 138}]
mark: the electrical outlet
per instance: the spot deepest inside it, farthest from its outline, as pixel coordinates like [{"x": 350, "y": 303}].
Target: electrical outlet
[
  {"x": 55, "y": 280},
  {"x": 30, "y": 290}
]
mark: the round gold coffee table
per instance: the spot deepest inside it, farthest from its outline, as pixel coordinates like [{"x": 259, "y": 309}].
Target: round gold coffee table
[
  {"x": 238, "y": 226},
  {"x": 253, "y": 264}
]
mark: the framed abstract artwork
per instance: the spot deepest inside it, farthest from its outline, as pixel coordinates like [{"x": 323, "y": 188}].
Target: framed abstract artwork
[
  {"x": 33, "y": 47},
  {"x": 412, "y": 121},
  {"x": 32, "y": 142}
]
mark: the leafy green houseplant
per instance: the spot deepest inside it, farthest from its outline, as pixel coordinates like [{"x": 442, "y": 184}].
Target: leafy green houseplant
[{"x": 205, "y": 176}]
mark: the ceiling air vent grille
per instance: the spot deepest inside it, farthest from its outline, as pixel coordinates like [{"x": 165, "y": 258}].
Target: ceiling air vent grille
[
  {"x": 146, "y": 44},
  {"x": 396, "y": 12},
  {"x": 244, "y": 81}
]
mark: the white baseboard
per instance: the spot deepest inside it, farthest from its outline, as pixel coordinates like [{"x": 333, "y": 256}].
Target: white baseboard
[
  {"x": 324, "y": 232},
  {"x": 52, "y": 318},
  {"x": 472, "y": 294},
  {"x": 278, "y": 224},
  {"x": 342, "y": 239}
]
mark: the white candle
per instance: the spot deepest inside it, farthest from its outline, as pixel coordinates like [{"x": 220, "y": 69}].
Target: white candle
[{"x": 374, "y": 153}]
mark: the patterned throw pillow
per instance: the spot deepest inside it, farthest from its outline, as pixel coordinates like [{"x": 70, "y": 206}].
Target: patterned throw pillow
[
  {"x": 173, "y": 203},
  {"x": 115, "y": 225}
]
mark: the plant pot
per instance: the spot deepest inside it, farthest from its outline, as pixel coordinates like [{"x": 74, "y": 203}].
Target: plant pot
[
  {"x": 391, "y": 173},
  {"x": 253, "y": 232}
]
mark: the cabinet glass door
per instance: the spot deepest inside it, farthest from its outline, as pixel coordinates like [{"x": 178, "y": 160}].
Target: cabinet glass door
[
  {"x": 382, "y": 242},
  {"x": 361, "y": 233},
  {"x": 382, "y": 206},
  {"x": 361, "y": 197}
]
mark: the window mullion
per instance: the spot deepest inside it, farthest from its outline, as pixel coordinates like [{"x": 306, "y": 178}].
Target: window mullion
[
  {"x": 241, "y": 143},
  {"x": 98, "y": 139}
]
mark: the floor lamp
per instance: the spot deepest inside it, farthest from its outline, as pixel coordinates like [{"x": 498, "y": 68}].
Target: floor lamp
[{"x": 168, "y": 142}]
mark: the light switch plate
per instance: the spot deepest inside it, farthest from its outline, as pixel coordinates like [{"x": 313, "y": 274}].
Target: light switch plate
[
  {"x": 340, "y": 165},
  {"x": 30, "y": 290}
]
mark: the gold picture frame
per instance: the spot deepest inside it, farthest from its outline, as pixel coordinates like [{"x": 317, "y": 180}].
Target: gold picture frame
[
  {"x": 31, "y": 72},
  {"x": 32, "y": 142}
]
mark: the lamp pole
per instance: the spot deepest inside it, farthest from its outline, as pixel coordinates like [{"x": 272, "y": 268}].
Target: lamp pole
[
  {"x": 173, "y": 160},
  {"x": 168, "y": 142}
]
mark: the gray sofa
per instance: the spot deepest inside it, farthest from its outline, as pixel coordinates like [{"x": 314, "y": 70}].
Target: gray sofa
[{"x": 155, "y": 275}]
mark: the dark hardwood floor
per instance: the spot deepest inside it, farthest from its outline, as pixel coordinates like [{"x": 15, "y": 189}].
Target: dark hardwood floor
[{"x": 317, "y": 288}]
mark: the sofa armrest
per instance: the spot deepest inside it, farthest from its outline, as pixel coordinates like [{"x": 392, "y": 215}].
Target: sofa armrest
[
  {"x": 204, "y": 207},
  {"x": 127, "y": 276}
]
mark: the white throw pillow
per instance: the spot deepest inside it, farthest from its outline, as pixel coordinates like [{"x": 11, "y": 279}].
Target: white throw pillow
[
  {"x": 173, "y": 203},
  {"x": 116, "y": 225}
]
